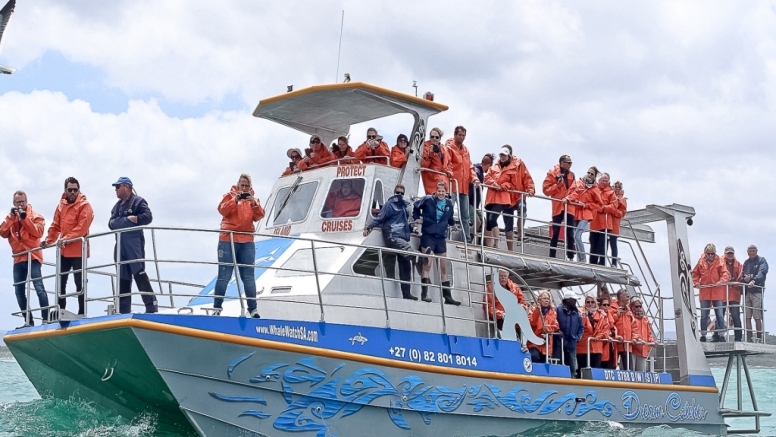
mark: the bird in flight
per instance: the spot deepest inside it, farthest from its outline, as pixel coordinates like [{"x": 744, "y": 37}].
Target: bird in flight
[{"x": 5, "y": 16}]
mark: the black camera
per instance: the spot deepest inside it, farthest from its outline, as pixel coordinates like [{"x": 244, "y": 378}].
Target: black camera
[
  {"x": 244, "y": 195},
  {"x": 435, "y": 148}
]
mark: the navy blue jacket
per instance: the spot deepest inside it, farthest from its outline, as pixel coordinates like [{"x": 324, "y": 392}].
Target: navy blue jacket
[
  {"x": 474, "y": 193},
  {"x": 570, "y": 324},
  {"x": 426, "y": 207},
  {"x": 758, "y": 268},
  {"x": 132, "y": 242},
  {"x": 394, "y": 219}
]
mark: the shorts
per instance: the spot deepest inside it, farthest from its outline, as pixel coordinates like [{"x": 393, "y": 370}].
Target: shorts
[
  {"x": 754, "y": 306},
  {"x": 436, "y": 244}
]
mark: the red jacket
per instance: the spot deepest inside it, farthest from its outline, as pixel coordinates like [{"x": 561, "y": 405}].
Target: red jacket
[
  {"x": 625, "y": 323},
  {"x": 589, "y": 196},
  {"x": 505, "y": 178},
  {"x": 551, "y": 188},
  {"x": 524, "y": 181},
  {"x": 604, "y": 215},
  {"x": 367, "y": 154},
  {"x": 319, "y": 159},
  {"x": 398, "y": 157},
  {"x": 463, "y": 171},
  {"x": 71, "y": 220},
  {"x": 734, "y": 291},
  {"x": 598, "y": 329},
  {"x": 238, "y": 215},
  {"x": 24, "y": 234},
  {"x": 642, "y": 331},
  {"x": 621, "y": 204},
  {"x": 439, "y": 162},
  {"x": 339, "y": 157},
  {"x": 550, "y": 322},
  {"x": 343, "y": 206},
  {"x": 710, "y": 274},
  {"x": 490, "y": 305}
]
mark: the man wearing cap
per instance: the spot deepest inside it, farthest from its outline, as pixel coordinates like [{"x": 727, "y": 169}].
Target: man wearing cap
[
  {"x": 317, "y": 155},
  {"x": 733, "y": 294},
  {"x": 558, "y": 184},
  {"x": 295, "y": 155},
  {"x": 131, "y": 211},
  {"x": 400, "y": 152},
  {"x": 707, "y": 276},
  {"x": 754, "y": 273},
  {"x": 571, "y": 329}
]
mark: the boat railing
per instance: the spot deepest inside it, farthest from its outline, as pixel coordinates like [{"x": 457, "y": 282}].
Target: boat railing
[
  {"x": 732, "y": 310},
  {"x": 628, "y": 352}
]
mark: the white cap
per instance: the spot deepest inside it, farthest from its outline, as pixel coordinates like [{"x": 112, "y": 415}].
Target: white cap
[
  {"x": 568, "y": 294},
  {"x": 504, "y": 151}
]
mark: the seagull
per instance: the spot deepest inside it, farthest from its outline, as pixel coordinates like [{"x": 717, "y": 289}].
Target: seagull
[{"x": 5, "y": 16}]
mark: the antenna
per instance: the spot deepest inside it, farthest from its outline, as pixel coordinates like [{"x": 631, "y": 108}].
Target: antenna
[
  {"x": 415, "y": 85},
  {"x": 339, "y": 50}
]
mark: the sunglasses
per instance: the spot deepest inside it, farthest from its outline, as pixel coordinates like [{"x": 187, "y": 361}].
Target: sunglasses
[
  {"x": 568, "y": 162},
  {"x": 402, "y": 141},
  {"x": 604, "y": 304},
  {"x": 399, "y": 193},
  {"x": 434, "y": 137},
  {"x": 72, "y": 190},
  {"x": 315, "y": 142},
  {"x": 636, "y": 306},
  {"x": 589, "y": 302},
  {"x": 371, "y": 137}
]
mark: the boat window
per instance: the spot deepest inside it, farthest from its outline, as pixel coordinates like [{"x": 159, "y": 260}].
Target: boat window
[
  {"x": 368, "y": 263},
  {"x": 293, "y": 208},
  {"x": 377, "y": 199},
  {"x": 344, "y": 198},
  {"x": 301, "y": 262}
]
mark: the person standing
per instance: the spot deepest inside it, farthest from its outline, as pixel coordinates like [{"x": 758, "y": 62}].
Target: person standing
[
  {"x": 463, "y": 174},
  {"x": 733, "y": 293},
  {"x": 754, "y": 273},
  {"x": 587, "y": 198},
  {"x": 601, "y": 225},
  {"x": 435, "y": 214},
  {"x": 23, "y": 228},
  {"x": 394, "y": 220},
  {"x": 621, "y": 208},
  {"x": 400, "y": 152},
  {"x": 625, "y": 326},
  {"x": 501, "y": 176},
  {"x": 240, "y": 211},
  {"x": 435, "y": 157},
  {"x": 517, "y": 210},
  {"x": 559, "y": 181},
  {"x": 595, "y": 323},
  {"x": 475, "y": 194},
  {"x": 72, "y": 219},
  {"x": 642, "y": 335},
  {"x": 129, "y": 212},
  {"x": 571, "y": 329},
  {"x": 707, "y": 276},
  {"x": 544, "y": 323},
  {"x": 374, "y": 150}
]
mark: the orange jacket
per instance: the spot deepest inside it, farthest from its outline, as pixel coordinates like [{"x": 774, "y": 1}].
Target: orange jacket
[
  {"x": 642, "y": 331},
  {"x": 604, "y": 215},
  {"x": 24, "y": 234},
  {"x": 320, "y": 158},
  {"x": 398, "y": 156},
  {"x": 490, "y": 305},
  {"x": 339, "y": 157},
  {"x": 343, "y": 206},
  {"x": 589, "y": 196},
  {"x": 367, "y": 154},
  {"x": 607, "y": 347},
  {"x": 625, "y": 323},
  {"x": 71, "y": 220},
  {"x": 439, "y": 162},
  {"x": 505, "y": 178},
  {"x": 517, "y": 292},
  {"x": 463, "y": 171},
  {"x": 524, "y": 182},
  {"x": 710, "y": 274},
  {"x": 621, "y": 204},
  {"x": 598, "y": 329},
  {"x": 551, "y": 188},
  {"x": 238, "y": 215},
  {"x": 550, "y": 322},
  {"x": 734, "y": 291}
]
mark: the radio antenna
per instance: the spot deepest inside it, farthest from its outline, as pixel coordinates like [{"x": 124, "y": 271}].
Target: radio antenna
[{"x": 339, "y": 50}]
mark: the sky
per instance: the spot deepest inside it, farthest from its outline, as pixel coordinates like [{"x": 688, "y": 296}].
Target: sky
[{"x": 675, "y": 98}]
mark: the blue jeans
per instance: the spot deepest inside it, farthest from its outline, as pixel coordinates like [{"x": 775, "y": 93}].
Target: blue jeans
[
  {"x": 582, "y": 226},
  {"x": 463, "y": 208},
  {"x": 719, "y": 312},
  {"x": 20, "y": 275},
  {"x": 245, "y": 254}
]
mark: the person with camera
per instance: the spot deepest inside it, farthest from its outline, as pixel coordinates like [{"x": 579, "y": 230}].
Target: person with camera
[
  {"x": 587, "y": 197},
  {"x": 559, "y": 181},
  {"x": 400, "y": 152},
  {"x": 374, "y": 150},
  {"x": 295, "y": 155},
  {"x": 754, "y": 272},
  {"x": 317, "y": 155},
  {"x": 72, "y": 219},
  {"x": 435, "y": 215},
  {"x": 129, "y": 212},
  {"x": 240, "y": 211},
  {"x": 394, "y": 220},
  {"x": 23, "y": 228},
  {"x": 435, "y": 157},
  {"x": 343, "y": 153}
]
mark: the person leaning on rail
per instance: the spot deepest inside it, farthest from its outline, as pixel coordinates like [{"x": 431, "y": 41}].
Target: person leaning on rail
[
  {"x": 642, "y": 334},
  {"x": 343, "y": 153},
  {"x": 587, "y": 197},
  {"x": 72, "y": 219},
  {"x": 475, "y": 194},
  {"x": 463, "y": 174},
  {"x": 755, "y": 271},
  {"x": 317, "y": 155},
  {"x": 240, "y": 211},
  {"x": 435, "y": 215},
  {"x": 608, "y": 355},
  {"x": 400, "y": 153},
  {"x": 518, "y": 207},
  {"x": 374, "y": 150},
  {"x": 625, "y": 324},
  {"x": 131, "y": 211},
  {"x": 601, "y": 225},
  {"x": 733, "y": 296},
  {"x": 571, "y": 329},
  {"x": 295, "y": 155},
  {"x": 544, "y": 323},
  {"x": 557, "y": 184},
  {"x": 394, "y": 221},
  {"x": 435, "y": 157},
  {"x": 708, "y": 275},
  {"x": 501, "y": 176},
  {"x": 595, "y": 324},
  {"x": 23, "y": 227}
]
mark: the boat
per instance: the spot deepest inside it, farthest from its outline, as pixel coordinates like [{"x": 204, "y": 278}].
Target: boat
[{"x": 337, "y": 351}]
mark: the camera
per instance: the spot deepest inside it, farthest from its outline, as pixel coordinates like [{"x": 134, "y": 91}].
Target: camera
[
  {"x": 14, "y": 210},
  {"x": 561, "y": 178},
  {"x": 243, "y": 195},
  {"x": 308, "y": 151},
  {"x": 435, "y": 148}
]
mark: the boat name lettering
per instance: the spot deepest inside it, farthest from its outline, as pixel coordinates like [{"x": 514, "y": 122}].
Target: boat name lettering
[
  {"x": 282, "y": 230},
  {"x": 673, "y": 409},
  {"x": 419, "y": 356},
  {"x": 295, "y": 332},
  {"x": 351, "y": 170},
  {"x": 337, "y": 225},
  {"x": 631, "y": 376}
]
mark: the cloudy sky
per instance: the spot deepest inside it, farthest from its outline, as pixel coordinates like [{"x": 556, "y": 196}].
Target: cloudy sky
[{"x": 676, "y": 99}]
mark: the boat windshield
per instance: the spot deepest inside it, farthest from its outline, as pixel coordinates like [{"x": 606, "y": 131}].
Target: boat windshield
[{"x": 293, "y": 203}]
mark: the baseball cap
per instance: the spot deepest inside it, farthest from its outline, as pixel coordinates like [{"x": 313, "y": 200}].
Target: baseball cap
[
  {"x": 568, "y": 294},
  {"x": 730, "y": 249},
  {"x": 505, "y": 151},
  {"x": 122, "y": 180}
]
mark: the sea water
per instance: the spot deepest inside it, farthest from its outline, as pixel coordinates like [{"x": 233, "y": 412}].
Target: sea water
[{"x": 24, "y": 413}]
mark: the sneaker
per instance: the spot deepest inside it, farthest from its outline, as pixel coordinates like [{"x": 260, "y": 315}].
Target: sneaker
[{"x": 255, "y": 314}]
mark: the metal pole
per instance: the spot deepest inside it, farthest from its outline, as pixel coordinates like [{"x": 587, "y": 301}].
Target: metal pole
[
  {"x": 57, "y": 278},
  {"x": 84, "y": 280},
  {"x": 236, "y": 274},
  {"x": 565, "y": 229},
  {"x": 725, "y": 380},
  {"x": 29, "y": 277},
  {"x": 739, "y": 387},
  {"x": 382, "y": 285},
  {"x": 317, "y": 279},
  {"x": 751, "y": 391},
  {"x": 521, "y": 221},
  {"x": 116, "y": 307},
  {"x": 156, "y": 263},
  {"x": 441, "y": 299}
]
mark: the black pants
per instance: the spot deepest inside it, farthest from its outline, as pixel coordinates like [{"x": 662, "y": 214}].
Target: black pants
[
  {"x": 595, "y": 360},
  {"x": 735, "y": 314},
  {"x": 66, "y": 265},
  {"x": 597, "y": 248},
  {"x": 536, "y": 356},
  {"x": 143, "y": 285},
  {"x": 404, "y": 260},
  {"x": 570, "y": 223},
  {"x": 613, "y": 249}
]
